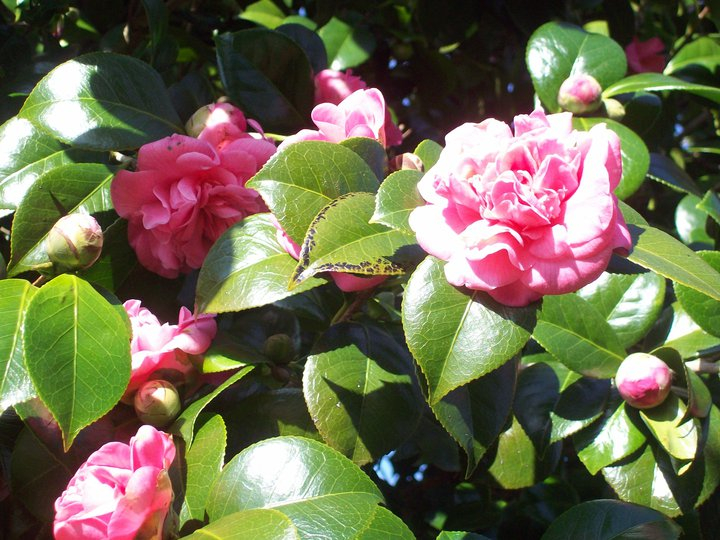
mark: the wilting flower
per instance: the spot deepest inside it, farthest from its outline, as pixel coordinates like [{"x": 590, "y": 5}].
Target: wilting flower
[
  {"x": 526, "y": 214},
  {"x": 184, "y": 194},
  {"x": 645, "y": 56},
  {"x": 643, "y": 380},
  {"x": 165, "y": 348},
  {"x": 122, "y": 492}
]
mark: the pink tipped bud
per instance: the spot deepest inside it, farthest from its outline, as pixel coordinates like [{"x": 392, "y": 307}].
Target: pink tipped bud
[
  {"x": 643, "y": 380},
  {"x": 74, "y": 242},
  {"x": 157, "y": 403},
  {"x": 214, "y": 115},
  {"x": 580, "y": 94}
]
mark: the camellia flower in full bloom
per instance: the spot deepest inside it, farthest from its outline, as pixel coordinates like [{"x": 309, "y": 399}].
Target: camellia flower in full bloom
[
  {"x": 185, "y": 192},
  {"x": 361, "y": 114},
  {"x": 526, "y": 214},
  {"x": 645, "y": 56},
  {"x": 166, "y": 347},
  {"x": 643, "y": 380},
  {"x": 122, "y": 492}
]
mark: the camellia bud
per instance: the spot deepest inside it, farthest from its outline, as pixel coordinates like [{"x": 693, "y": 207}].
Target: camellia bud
[
  {"x": 279, "y": 348},
  {"x": 580, "y": 94},
  {"x": 74, "y": 242},
  {"x": 643, "y": 380},
  {"x": 214, "y": 114},
  {"x": 157, "y": 403}
]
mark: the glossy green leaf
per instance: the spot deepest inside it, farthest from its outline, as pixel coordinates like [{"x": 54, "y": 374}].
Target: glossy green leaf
[
  {"x": 664, "y": 170},
  {"x": 396, "y": 198},
  {"x": 25, "y": 154},
  {"x": 476, "y": 413},
  {"x": 655, "y": 82},
  {"x": 612, "y": 439},
  {"x": 264, "y": 13},
  {"x": 710, "y": 204},
  {"x": 577, "y": 335},
  {"x": 580, "y": 403},
  {"x": 347, "y": 46},
  {"x": 611, "y": 520},
  {"x": 184, "y": 425},
  {"x": 429, "y": 152},
  {"x": 686, "y": 336},
  {"x": 658, "y": 251},
  {"x": 634, "y": 154},
  {"x": 342, "y": 239},
  {"x": 630, "y": 303},
  {"x": 278, "y": 472},
  {"x": 384, "y": 524},
  {"x": 268, "y": 76},
  {"x": 102, "y": 101},
  {"x": 80, "y": 187},
  {"x": 372, "y": 153},
  {"x": 690, "y": 221},
  {"x": 557, "y": 50},
  {"x": 77, "y": 352},
  {"x": 675, "y": 433},
  {"x": 699, "y": 397},
  {"x": 457, "y": 336},
  {"x": 258, "y": 524},
  {"x": 15, "y": 384},
  {"x": 204, "y": 461},
  {"x": 349, "y": 387},
  {"x": 703, "y": 51},
  {"x": 247, "y": 267},
  {"x": 117, "y": 259},
  {"x": 460, "y": 535},
  {"x": 302, "y": 179},
  {"x": 302, "y": 31},
  {"x": 705, "y": 311}
]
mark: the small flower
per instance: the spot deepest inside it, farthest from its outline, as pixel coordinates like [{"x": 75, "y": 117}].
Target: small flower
[
  {"x": 645, "y": 56},
  {"x": 74, "y": 242},
  {"x": 643, "y": 380}
]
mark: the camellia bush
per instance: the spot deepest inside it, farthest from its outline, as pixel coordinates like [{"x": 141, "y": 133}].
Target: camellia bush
[{"x": 359, "y": 270}]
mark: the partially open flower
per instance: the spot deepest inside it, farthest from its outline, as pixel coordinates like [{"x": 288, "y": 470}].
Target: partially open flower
[
  {"x": 643, "y": 380},
  {"x": 74, "y": 242},
  {"x": 157, "y": 403},
  {"x": 580, "y": 94}
]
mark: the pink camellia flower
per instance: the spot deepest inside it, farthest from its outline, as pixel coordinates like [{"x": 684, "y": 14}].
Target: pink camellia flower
[
  {"x": 526, "y": 214},
  {"x": 333, "y": 86},
  {"x": 184, "y": 194},
  {"x": 361, "y": 114},
  {"x": 122, "y": 492},
  {"x": 643, "y": 380},
  {"x": 645, "y": 56},
  {"x": 166, "y": 347},
  {"x": 345, "y": 282}
]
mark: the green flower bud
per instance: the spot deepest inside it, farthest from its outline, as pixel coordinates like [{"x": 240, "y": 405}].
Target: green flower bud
[
  {"x": 279, "y": 348},
  {"x": 74, "y": 242},
  {"x": 157, "y": 403}
]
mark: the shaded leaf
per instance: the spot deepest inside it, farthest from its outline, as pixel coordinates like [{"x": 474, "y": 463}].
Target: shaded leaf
[{"x": 705, "y": 311}]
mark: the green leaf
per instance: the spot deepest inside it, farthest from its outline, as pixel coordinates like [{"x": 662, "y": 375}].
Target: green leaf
[
  {"x": 460, "y": 535},
  {"x": 386, "y": 525},
  {"x": 612, "y": 439},
  {"x": 25, "y": 154},
  {"x": 703, "y": 51},
  {"x": 79, "y": 187},
  {"x": 457, "y": 336},
  {"x": 264, "y": 13},
  {"x": 664, "y": 170},
  {"x": 268, "y": 76},
  {"x": 476, "y": 413},
  {"x": 705, "y": 311},
  {"x": 184, "y": 425},
  {"x": 117, "y": 259},
  {"x": 77, "y": 352},
  {"x": 676, "y": 434},
  {"x": 634, "y": 154},
  {"x": 557, "y": 50},
  {"x": 611, "y": 520},
  {"x": 655, "y": 82},
  {"x": 247, "y": 267},
  {"x": 710, "y": 204},
  {"x": 102, "y": 101},
  {"x": 396, "y": 198},
  {"x": 15, "y": 384},
  {"x": 372, "y": 153},
  {"x": 690, "y": 221},
  {"x": 302, "y": 179},
  {"x": 342, "y": 239},
  {"x": 347, "y": 46},
  {"x": 302, "y": 31},
  {"x": 277, "y": 473},
  {"x": 429, "y": 152},
  {"x": 577, "y": 335},
  {"x": 349, "y": 387},
  {"x": 262, "y": 524},
  {"x": 630, "y": 303},
  {"x": 204, "y": 461},
  {"x": 686, "y": 336},
  {"x": 581, "y": 402},
  {"x": 658, "y": 251}
]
